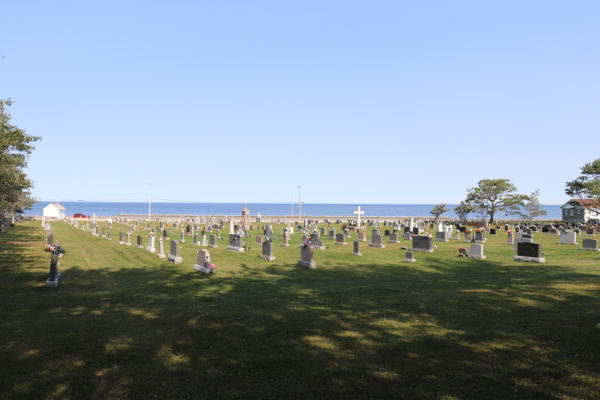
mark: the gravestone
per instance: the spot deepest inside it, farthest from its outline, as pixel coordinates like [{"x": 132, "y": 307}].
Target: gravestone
[
  {"x": 174, "y": 255},
  {"x": 356, "y": 246},
  {"x": 361, "y": 237},
  {"x": 590, "y": 244},
  {"x": 121, "y": 238},
  {"x": 315, "y": 241},
  {"x": 346, "y": 233},
  {"x": 108, "y": 236},
  {"x": 128, "y": 239},
  {"x": 441, "y": 236},
  {"x": 140, "y": 243},
  {"x": 492, "y": 231},
  {"x": 260, "y": 240},
  {"x": 590, "y": 232},
  {"x": 529, "y": 252},
  {"x": 236, "y": 243},
  {"x": 267, "y": 251},
  {"x": 286, "y": 240},
  {"x": 407, "y": 235},
  {"x": 53, "y": 272},
  {"x": 212, "y": 241},
  {"x": 409, "y": 257},
  {"x": 165, "y": 234},
  {"x": 416, "y": 230},
  {"x": 151, "y": 244},
  {"x": 568, "y": 238},
  {"x": 182, "y": 237},
  {"x": 423, "y": 244},
  {"x": 161, "y": 249},
  {"x": 49, "y": 239},
  {"x": 339, "y": 239},
  {"x": 480, "y": 237},
  {"x": 393, "y": 238},
  {"x": 476, "y": 251},
  {"x": 376, "y": 241},
  {"x": 306, "y": 258},
  {"x": 375, "y": 232},
  {"x": 510, "y": 239}
]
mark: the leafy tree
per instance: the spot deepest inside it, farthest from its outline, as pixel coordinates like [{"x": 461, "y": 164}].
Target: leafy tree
[
  {"x": 587, "y": 187},
  {"x": 493, "y": 195},
  {"x": 15, "y": 148},
  {"x": 531, "y": 208},
  {"x": 464, "y": 209},
  {"x": 439, "y": 210}
]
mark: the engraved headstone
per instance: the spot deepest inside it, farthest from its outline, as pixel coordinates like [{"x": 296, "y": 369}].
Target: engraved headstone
[{"x": 174, "y": 255}]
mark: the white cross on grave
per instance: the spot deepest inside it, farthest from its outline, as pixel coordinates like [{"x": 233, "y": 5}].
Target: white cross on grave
[{"x": 358, "y": 213}]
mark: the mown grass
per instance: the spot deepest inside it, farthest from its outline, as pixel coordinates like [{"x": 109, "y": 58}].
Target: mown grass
[{"x": 126, "y": 325}]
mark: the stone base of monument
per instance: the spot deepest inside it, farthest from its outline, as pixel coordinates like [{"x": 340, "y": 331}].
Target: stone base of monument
[
  {"x": 357, "y": 254},
  {"x": 364, "y": 240},
  {"x": 127, "y": 244},
  {"x": 567, "y": 243},
  {"x": 422, "y": 250},
  {"x": 589, "y": 249},
  {"x": 204, "y": 270},
  {"x": 140, "y": 246},
  {"x": 381, "y": 246},
  {"x": 467, "y": 241},
  {"x": 236, "y": 249},
  {"x": 52, "y": 284},
  {"x": 318, "y": 247},
  {"x": 166, "y": 238},
  {"x": 213, "y": 246},
  {"x": 151, "y": 249},
  {"x": 102, "y": 236},
  {"x": 441, "y": 240},
  {"x": 306, "y": 264},
  {"x": 510, "y": 244},
  {"x": 161, "y": 255},
  {"x": 182, "y": 241},
  {"x": 540, "y": 260},
  {"x": 553, "y": 234},
  {"x": 589, "y": 235},
  {"x": 174, "y": 260},
  {"x": 410, "y": 260},
  {"x": 121, "y": 242},
  {"x": 109, "y": 238},
  {"x": 267, "y": 258},
  {"x": 475, "y": 256},
  {"x": 341, "y": 243},
  {"x": 393, "y": 241},
  {"x": 285, "y": 245},
  {"x": 481, "y": 241}
]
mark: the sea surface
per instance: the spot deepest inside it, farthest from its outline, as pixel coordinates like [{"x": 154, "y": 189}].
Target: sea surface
[{"x": 331, "y": 210}]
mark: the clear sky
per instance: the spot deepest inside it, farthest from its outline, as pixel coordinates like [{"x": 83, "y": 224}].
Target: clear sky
[{"x": 355, "y": 101}]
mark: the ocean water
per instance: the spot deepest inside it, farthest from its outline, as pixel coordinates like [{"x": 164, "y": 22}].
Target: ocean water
[{"x": 332, "y": 210}]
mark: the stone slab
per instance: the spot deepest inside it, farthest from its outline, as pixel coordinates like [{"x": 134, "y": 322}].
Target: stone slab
[
  {"x": 540, "y": 260},
  {"x": 475, "y": 256},
  {"x": 174, "y": 260},
  {"x": 585, "y": 248},
  {"x": 151, "y": 249},
  {"x": 341, "y": 243},
  {"x": 422, "y": 250},
  {"x": 236, "y": 249},
  {"x": 161, "y": 255},
  {"x": 382, "y": 246},
  {"x": 267, "y": 258},
  {"x": 52, "y": 284},
  {"x": 567, "y": 243},
  {"x": 410, "y": 260},
  {"x": 441, "y": 240},
  {"x": 203, "y": 269},
  {"x": 306, "y": 264}
]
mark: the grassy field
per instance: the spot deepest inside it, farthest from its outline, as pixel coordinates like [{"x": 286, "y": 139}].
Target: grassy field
[{"x": 127, "y": 325}]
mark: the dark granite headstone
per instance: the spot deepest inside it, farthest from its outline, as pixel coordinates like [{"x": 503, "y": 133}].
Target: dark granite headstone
[
  {"x": 422, "y": 243},
  {"x": 529, "y": 249}
]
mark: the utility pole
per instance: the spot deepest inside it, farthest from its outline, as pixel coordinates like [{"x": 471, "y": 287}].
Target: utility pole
[
  {"x": 150, "y": 201},
  {"x": 299, "y": 203}
]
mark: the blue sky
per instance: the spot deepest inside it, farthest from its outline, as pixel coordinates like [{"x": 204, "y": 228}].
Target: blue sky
[{"x": 356, "y": 102}]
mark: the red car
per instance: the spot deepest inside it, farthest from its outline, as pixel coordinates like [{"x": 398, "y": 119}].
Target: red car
[{"x": 78, "y": 215}]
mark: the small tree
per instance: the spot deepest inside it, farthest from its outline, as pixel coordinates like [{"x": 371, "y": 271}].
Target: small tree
[
  {"x": 493, "y": 195},
  {"x": 15, "y": 147},
  {"x": 464, "y": 209},
  {"x": 439, "y": 210},
  {"x": 531, "y": 208},
  {"x": 587, "y": 187}
]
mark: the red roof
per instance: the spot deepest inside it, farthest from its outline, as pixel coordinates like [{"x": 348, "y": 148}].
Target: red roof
[{"x": 587, "y": 202}]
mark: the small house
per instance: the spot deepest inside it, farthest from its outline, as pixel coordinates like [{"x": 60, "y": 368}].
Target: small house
[
  {"x": 54, "y": 211},
  {"x": 574, "y": 210}
]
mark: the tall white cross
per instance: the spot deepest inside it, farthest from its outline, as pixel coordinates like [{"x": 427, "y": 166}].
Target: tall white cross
[{"x": 358, "y": 213}]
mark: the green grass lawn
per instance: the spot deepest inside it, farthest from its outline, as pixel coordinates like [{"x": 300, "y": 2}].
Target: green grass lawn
[{"x": 127, "y": 325}]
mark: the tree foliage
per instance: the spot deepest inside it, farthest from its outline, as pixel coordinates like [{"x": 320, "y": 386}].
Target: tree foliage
[
  {"x": 463, "y": 210},
  {"x": 15, "y": 148},
  {"x": 493, "y": 195},
  {"x": 587, "y": 186},
  {"x": 530, "y": 209},
  {"x": 439, "y": 210}
]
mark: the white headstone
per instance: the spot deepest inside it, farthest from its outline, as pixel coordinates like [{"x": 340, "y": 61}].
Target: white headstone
[{"x": 358, "y": 213}]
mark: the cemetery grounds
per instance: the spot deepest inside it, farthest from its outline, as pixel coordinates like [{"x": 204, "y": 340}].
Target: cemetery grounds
[{"x": 124, "y": 324}]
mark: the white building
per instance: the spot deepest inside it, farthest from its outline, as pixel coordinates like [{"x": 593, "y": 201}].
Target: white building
[
  {"x": 574, "y": 211},
  {"x": 54, "y": 211}
]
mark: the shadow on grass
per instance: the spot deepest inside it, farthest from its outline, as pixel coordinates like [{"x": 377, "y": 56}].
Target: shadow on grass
[{"x": 456, "y": 328}]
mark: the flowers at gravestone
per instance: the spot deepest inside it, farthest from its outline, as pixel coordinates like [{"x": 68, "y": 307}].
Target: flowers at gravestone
[
  {"x": 426, "y": 234},
  {"x": 510, "y": 232},
  {"x": 567, "y": 231},
  {"x": 467, "y": 231},
  {"x": 479, "y": 230},
  {"x": 269, "y": 238}
]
